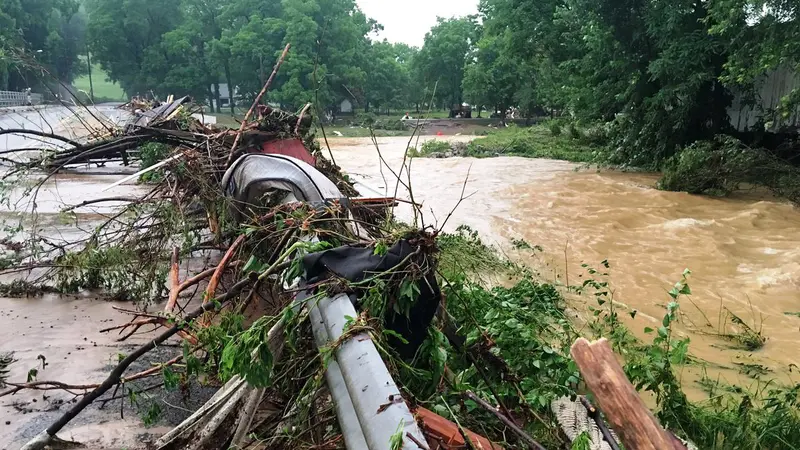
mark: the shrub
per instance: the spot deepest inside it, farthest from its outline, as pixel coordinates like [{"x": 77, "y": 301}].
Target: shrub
[
  {"x": 574, "y": 132},
  {"x": 533, "y": 142},
  {"x": 555, "y": 128},
  {"x": 434, "y": 146},
  {"x": 596, "y": 135},
  {"x": 720, "y": 166},
  {"x": 149, "y": 155},
  {"x": 389, "y": 124}
]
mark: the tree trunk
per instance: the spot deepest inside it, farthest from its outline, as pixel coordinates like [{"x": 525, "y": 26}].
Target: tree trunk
[
  {"x": 216, "y": 97},
  {"x": 210, "y": 95}
]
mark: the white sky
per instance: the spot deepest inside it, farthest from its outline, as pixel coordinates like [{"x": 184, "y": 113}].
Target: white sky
[{"x": 408, "y": 20}]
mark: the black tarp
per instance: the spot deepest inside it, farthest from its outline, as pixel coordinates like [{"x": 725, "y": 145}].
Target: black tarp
[{"x": 357, "y": 264}]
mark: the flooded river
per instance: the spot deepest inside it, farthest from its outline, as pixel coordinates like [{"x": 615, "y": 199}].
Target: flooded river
[{"x": 744, "y": 254}]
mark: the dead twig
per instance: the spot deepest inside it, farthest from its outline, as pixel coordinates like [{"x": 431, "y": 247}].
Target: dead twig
[
  {"x": 174, "y": 282},
  {"x": 41, "y": 134},
  {"x": 601, "y": 424},
  {"x": 300, "y": 119},
  {"x": 256, "y": 102},
  {"x": 460, "y": 199},
  {"x": 57, "y": 385},
  {"x": 101, "y": 200},
  {"x": 416, "y": 441},
  {"x": 506, "y": 421}
]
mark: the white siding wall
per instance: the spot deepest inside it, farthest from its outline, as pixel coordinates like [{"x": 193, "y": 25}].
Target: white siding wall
[{"x": 771, "y": 88}]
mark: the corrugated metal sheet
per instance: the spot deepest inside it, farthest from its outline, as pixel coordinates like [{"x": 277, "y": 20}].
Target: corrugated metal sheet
[{"x": 770, "y": 90}]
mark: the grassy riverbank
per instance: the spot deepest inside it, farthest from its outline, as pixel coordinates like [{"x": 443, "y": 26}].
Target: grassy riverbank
[
  {"x": 527, "y": 327},
  {"x": 538, "y": 141}
]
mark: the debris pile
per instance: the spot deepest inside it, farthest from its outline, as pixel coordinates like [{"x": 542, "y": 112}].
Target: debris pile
[
  {"x": 289, "y": 234},
  {"x": 304, "y": 303}
]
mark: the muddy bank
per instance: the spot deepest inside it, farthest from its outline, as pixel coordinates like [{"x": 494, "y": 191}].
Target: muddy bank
[{"x": 57, "y": 336}]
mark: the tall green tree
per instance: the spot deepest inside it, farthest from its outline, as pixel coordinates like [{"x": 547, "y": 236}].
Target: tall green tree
[
  {"x": 443, "y": 57},
  {"x": 44, "y": 33},
  {"x": 389, "y": 76},
  {"x": 762, "y": 36},
  {"x": 653, "y": 64},
  {"x": 492, "y": 80},
  {"x": 126, "y": 39}
]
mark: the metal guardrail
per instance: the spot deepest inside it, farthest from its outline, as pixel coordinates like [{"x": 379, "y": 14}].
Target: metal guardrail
[{"x": 13, "y": 98}]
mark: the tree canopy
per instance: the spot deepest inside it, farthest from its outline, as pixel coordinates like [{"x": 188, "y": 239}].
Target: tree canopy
[
  {"x": 191, "y": 46},
  {"x": 663, "y": 73},
  {"x": 47, "y": 33},
  {"x": 442, "y": 59}
]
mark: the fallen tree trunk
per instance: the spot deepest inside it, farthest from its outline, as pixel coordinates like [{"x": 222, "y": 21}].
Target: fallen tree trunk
[{"x": 618, "y": 399}]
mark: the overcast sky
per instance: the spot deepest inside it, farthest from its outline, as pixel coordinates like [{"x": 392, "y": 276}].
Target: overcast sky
[{"x": 408, "y": 20}]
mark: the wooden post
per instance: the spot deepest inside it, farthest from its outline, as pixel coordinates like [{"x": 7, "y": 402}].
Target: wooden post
[{"x": 618, "y": 399}]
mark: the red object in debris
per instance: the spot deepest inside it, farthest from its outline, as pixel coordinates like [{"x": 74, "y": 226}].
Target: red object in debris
[
  {"x": 445, "y": 433},
  {"x": 289, "y": 147},
  {"x": 440, "y": 133}
]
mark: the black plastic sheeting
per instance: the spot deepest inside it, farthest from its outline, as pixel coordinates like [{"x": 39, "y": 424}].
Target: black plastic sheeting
[{"x": 357, "y": 263}]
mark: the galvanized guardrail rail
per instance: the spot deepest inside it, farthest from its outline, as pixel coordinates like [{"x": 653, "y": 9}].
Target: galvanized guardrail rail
[{"x": 13, "y": 98}]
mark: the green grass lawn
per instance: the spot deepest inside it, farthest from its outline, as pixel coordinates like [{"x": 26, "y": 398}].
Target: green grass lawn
[
  {"x": 104, "y": 90},
  {"x": 537, "y": 141}
]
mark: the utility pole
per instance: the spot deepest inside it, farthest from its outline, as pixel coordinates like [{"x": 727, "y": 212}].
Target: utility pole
[{"x": 89, "y": 63}]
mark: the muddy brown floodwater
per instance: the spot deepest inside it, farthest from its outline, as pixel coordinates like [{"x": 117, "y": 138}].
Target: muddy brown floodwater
[{"x": 744, "y": 254}]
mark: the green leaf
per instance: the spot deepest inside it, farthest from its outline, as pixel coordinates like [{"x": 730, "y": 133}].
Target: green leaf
[
  {"x": 396, "y": 440},
  {"x": 648, "y": 330},
  {"x": 471, "y": 405},
  {"x": 662, "y": 331},
  {"x": 666, "y": 320},
  {"x": 171, "y": 380},
  {"x": 674, "y": 292},
  {"x": 685, "y": 290},
  {"x": 396, "y": 335},
  {"x": 254, "y": 265},
  {"x": 381, "y": 248}
]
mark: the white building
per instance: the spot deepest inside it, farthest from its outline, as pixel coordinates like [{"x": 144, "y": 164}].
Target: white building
[
  {"x": 346, "y": 107},
  {"x": 224, "y": 94}
]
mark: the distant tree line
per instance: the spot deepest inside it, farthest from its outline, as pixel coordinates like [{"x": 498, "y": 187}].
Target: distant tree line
[{"x": 663, "y": 72}]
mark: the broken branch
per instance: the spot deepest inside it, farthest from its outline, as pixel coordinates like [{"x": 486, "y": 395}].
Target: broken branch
[
  {"x": 506, "y": 421},
  {"x": 617, "y": 398},
  {"x": 256, "y": 101}
]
